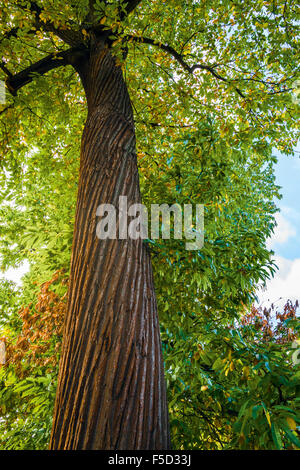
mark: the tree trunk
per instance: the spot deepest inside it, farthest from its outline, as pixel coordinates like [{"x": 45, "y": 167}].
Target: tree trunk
[{"x": 111, "y": 390}]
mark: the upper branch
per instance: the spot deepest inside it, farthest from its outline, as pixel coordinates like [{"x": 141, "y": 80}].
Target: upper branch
[
  {"x": 123, "y": 12},
  {"x": 52, "y": 61},
  {"x": 179, "y": 58},
  {"x": 131, "y": 5},
  {"x": 70, "y": 36},
  {"x": 210, "y": 68},
  {"x": 13, "y": 32}
]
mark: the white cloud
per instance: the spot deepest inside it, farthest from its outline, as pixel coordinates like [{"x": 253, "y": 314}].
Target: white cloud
[
  {"x": 290, "y": 212},
  {"x": 282, "y": 233},
  {"x": 285, "y": 284},
  {"x": 16, "y": 274}
]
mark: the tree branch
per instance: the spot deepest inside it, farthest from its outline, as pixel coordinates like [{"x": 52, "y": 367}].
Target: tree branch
[
  {"x": 123, "y": 13},
  {"x": 70, "y": 36},
  {"x": 5, "y": 70},
  {"x": 6, "y": 109},
  {"x": 52, "y": 61},
  {"x": 131, "y": 5},
  {"x": 11, "y": 33},
  {"x": 179, "y": 58}
]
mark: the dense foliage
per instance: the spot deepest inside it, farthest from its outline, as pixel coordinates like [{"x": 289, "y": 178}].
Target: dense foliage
[{"x": 210, "y": 107}]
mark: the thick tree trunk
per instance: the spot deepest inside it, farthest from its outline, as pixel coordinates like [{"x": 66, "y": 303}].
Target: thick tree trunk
[{"x": 111, "y": 389}]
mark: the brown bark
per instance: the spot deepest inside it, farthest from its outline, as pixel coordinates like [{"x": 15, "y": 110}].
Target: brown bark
[{"x": 111, "y": 389}]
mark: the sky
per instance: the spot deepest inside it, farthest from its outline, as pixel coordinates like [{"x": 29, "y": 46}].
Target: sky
[{"x": 285, "y": 241}]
